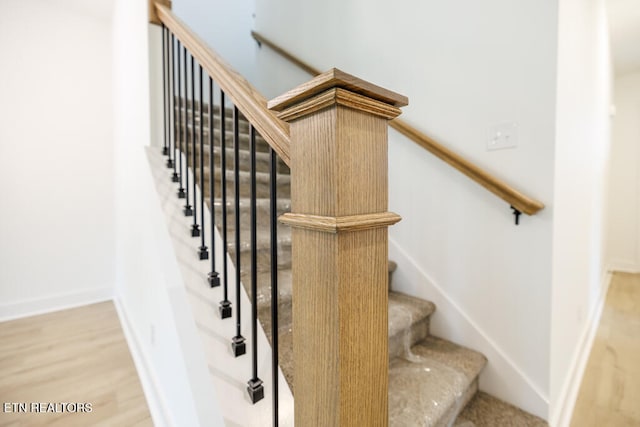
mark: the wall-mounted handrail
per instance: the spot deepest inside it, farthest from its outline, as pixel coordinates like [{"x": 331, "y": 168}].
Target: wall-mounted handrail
[
  {"x": 248, "y": 100},
  {"x": 517, "y": 200}
]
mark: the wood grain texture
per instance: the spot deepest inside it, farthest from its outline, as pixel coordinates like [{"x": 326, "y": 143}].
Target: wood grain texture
[
  {"x": 335, "y": 78},
  {"x": 341, "y": 97},
  {"x": 248, "y": 100},
  {"x": 339, "y": 241},
  {"x": 509, "y": 194},
  {"x": 610, "y": 391},
  {"x": 78, "y": 355},
  {"x": 337, "y": 224},
  {"x": 340, "y": 319},
  {"x": 153, "y": 16}
]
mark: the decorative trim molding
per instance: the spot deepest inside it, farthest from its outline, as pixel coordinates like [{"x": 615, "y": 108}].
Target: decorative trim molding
[
  {"x": 36, "y": 306},
  {"x": 624, "y": 266},
  {"x": 569, "y": 392},
  {"x": 149, "y": 382},
  {"x": 341, "y": 97},
  {"x": 335, "y": 78},
  {"x": 331, "y": 224}
]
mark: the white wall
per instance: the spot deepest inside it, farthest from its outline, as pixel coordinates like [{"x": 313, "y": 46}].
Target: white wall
[
  {"x": 57, "y": 245},
  {"x": 465, "y": 66},
  {"x": 624, "y": 184},
  {"x": 581, "y": 168},
  {"x": 226, "y": 26},
  {"x": 149, "y": 291}
]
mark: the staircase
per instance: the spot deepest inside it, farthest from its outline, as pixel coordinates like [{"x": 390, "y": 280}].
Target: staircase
[{"x": 431, "y": 380}]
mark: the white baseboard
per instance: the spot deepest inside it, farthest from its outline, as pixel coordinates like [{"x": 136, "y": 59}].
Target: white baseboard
[
  {"x": 36, "y": 306},
  {"x": 501, "y": 377},
  {"x": 571, "y": 387},
  {"x": 155, "y": 400},
  {"x": 624, "y": 267}
]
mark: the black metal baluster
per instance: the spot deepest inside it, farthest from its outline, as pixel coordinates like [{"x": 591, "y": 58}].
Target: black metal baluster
[
  {"x": 225, "y": 304},
  {"x": 203, "y": 253},
  {"x": 165, "y": 100},
  {"x": 187, "y": 207},
  {"x": 238, "y": 345},
  {"x": 214, "y": 277},
  {"x": 254, "y": 385},
  {"x": 170, "y": 104},
  {"x": 273, "y": 227},
  {"x": 175, "y": 177},
  {"x": 195, "y": 228},
  {"x": 181, "y": 193}
]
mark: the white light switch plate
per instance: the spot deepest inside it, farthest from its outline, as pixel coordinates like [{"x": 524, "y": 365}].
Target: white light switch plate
[{"x": 502, "y": 136}]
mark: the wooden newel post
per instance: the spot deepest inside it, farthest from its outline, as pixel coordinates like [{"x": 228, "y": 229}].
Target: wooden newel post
[{"x": 339, "y": 217}]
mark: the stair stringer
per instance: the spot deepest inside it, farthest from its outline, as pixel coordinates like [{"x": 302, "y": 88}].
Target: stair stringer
[{"x": 501, "y": 376}]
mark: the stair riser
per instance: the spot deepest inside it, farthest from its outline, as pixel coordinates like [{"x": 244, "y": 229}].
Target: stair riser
[
  {"x": 263, "y": 189},
  {"x": 263, "y": 159},
  {"x": 263, "y": 184},
  {"x": 262, "y": 243},
  {"x": 401, "y": 342},
  {"x": 263, "y": 258},
  {"x": 454, "y": 411},
  {"x": 180, "y": 102},
  {"x": 263, "y": 222},
  {"x": 243, "y": 125},
  {"x": 243, "y": 138}
]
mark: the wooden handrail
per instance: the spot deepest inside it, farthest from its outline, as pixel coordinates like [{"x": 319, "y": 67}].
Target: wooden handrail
[
  {"x": 515, "y": 198},
  {"x": 297, "y": 61},
  {"x": 248, "y": 100},
  {"x": 507, "y": 193}
]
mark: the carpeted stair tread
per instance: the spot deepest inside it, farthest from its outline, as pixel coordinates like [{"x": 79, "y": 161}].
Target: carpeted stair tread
[
  {"x": 243, "y": 138},
  {"x": 467, "y": 361},
  {"x": 264, "y": 288},
  {"x": 263, "y": 159},
  {"x": 262, "y": 183},
  {"x": 485, "y": 410},
  {"x": 263, "y": 258},
  {"x": 408, "y": 321},
  {"x": 430, "y": 379},
  {"x": 263, "y": 240},
  {"x": 431, "y": 384},
  {"x": 180, "y": 103},
  {"x": 397, "y": 304},
  {"x": 262, "y": 204},
  {"x": 262, "y": 213},
  {"x": 405, "y": 309}
]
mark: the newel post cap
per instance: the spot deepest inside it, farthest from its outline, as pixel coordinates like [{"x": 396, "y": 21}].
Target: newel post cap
[{"x": 337, "y": 87}]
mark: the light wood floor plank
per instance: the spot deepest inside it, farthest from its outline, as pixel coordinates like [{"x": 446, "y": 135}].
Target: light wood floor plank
[
  {"x": 610, "y": 390},
  {"x": 77, "y": 355}
]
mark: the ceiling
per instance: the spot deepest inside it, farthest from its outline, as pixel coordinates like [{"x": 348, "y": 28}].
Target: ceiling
[{"x": 624, "y": 24}]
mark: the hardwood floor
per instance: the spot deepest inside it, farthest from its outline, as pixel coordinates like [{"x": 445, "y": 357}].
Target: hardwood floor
[
  {"x": 610, "y": 390},
  {"x": 75, "y": 356}
]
